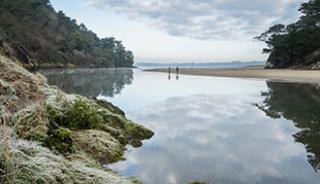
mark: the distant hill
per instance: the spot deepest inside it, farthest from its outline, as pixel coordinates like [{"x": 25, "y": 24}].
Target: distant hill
[
  {"x": 296, "y": 45},
  {"x": 38, "y": 36}
]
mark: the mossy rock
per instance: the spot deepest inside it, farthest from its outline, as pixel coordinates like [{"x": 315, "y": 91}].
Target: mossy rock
[
  {"x": 32, "y": 163},
  {"x": 100, "y": 145},
  {"x": 109, "y": 106},
  {"x": 135, "y": 131}
]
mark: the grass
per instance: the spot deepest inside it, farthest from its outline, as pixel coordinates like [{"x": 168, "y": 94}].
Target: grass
[
  {"x": 60, "y": 140},
  {"x": 6, "y": 168},
  {"x": 55, "y": 137},
  {"x": 32, "y": 123}
]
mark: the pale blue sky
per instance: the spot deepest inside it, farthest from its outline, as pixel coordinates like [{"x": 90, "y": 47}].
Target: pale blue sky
[{"x": 183, "y": 30}]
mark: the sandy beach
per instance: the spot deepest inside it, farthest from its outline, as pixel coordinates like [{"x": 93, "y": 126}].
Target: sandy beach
[{"x": 309, "y": 76}]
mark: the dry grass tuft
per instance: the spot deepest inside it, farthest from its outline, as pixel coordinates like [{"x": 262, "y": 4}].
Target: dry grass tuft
[
  {"x": 19, "y": 88},
  {"x": 32, "y": 123},
  {"x": 4, "y": 150}
]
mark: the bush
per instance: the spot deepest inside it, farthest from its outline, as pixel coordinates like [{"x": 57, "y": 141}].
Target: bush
[
  {"x": 82, "y": 115},
  {"x": 60, "y": 140}
]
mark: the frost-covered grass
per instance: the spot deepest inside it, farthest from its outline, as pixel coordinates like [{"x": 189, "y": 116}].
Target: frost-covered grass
[{"x": 59, "y": 138}]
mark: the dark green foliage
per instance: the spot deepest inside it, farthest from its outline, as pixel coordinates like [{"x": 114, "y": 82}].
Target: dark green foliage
[
  {"x": 76, "y": 115},
  {"x": 295, "y": 44},
  {"x": 60, "y": 140},
  {"x": 300, "y": 104},
  {"x": 33, "y": 32},
  {"x": 85, "y": 115},
  {"x": 82, "y": 115}
]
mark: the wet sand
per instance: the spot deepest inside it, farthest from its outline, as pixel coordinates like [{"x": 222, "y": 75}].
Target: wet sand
[{"x": 309, "y": 76}]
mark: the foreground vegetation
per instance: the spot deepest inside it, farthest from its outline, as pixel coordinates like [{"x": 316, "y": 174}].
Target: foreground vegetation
[
  {"x": 40, "y": 37},
  {"x": 48, "y": 136},
  {"x": 296, "y": 45}
]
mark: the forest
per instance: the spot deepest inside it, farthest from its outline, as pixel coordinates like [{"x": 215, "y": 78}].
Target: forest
[
  {"x": 40, "y": 37},
  {"x": 295, "y": 45}
]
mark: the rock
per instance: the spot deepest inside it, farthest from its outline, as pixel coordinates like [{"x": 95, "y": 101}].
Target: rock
[
  {"x": 275, "y": 61},
  {"x": 100, "y": 145},
  {"x": 316, "y": 66}
]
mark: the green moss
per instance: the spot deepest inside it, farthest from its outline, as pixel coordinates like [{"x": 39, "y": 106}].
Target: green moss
[
  {"x": 135, "y": 131},
  {"x": 109, "y": 106},
  {"x": 60, "y": 140},
  {"x": 100, "y": 145}
]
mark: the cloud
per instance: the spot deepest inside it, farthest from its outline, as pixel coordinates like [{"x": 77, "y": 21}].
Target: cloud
[
  {"x": 218, "y": 139},
  {"x": 207, "y": 19}
]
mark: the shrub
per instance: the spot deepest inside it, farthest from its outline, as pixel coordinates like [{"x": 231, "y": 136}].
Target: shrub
[
  {"x": 60, "y": 140},
  {"x": 82, "y": 115}
]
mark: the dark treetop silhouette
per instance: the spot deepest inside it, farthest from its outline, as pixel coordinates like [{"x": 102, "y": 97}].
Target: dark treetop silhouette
[{"x": 299, "y": 103}]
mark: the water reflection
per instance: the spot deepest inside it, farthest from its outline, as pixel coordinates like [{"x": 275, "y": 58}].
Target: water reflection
[
  {"x": 216, "y": 139},
  {"x": 90, "y": 82},
  {"x": 206, "y": 129},
  {"x": 301, "y": 104}
]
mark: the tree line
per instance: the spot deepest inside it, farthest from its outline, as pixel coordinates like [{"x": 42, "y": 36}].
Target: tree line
[
  {"x": 40, "y": 37},
  {"x": 297, "y": 44}
]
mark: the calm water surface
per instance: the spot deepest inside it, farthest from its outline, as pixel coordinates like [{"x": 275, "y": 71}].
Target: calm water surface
[{"x": 215, "y": 130}]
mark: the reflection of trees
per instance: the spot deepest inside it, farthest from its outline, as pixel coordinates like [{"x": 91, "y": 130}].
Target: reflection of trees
[
  {"x": 91, "y": 82},
  {"x": 301, "y": 104}
]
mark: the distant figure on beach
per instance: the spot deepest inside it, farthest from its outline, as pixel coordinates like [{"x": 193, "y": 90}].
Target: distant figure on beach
[
  {"x": 177, "y": 73},
  {"x": 169, "y": 73}
]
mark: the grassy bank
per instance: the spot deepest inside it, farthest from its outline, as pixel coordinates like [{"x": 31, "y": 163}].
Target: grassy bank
[{"x": 48, "y": 136}]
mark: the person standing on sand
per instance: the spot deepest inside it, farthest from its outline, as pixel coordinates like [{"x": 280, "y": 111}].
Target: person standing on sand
[
  {"x": 169, "y": 73},
  {"x": 177, "y": 73}
]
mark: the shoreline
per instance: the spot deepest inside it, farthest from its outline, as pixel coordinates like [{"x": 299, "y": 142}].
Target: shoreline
[
  {"x": 72, "y": 134},
  {"x": 285, "y": 75}
]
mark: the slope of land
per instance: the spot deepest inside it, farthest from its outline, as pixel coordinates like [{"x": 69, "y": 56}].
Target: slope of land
[
  {"x": 39, "y": 37},
  {"x": 48, "y": 136}
]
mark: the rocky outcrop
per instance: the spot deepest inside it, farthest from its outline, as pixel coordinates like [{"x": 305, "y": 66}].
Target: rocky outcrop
[
  {"x": 311, "y": 62},
  {"x": 275, "y": 61},
  {"x": 48, "y": 136}
]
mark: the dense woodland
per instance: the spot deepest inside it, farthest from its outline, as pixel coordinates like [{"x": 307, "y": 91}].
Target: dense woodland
[
  {"x": 298, "y": 44},
  {"x": 38, "y": 36}
]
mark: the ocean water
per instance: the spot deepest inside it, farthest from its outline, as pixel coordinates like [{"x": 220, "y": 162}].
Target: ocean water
[
  {"x": 218, "y": 65},
  {"x": 210, "y": 129}
]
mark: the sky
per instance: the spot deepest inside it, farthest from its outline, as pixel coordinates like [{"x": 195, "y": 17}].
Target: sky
[{"x": 184, "y": 30}]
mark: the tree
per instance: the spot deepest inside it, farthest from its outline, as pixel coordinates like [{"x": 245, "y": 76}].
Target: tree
[
  {"x": 294, "y": 44},
  {"x": 45, "y": 38}
]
